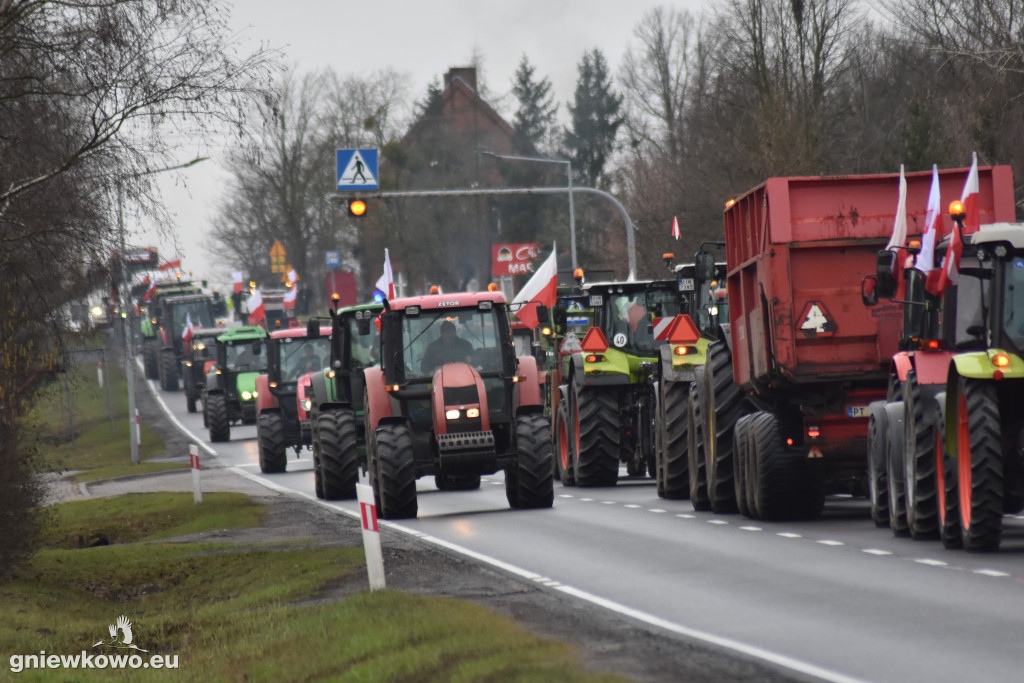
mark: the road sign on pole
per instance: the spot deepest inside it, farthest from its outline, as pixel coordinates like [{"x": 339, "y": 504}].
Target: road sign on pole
[
  {"x": 277, "y": 258},
  {"x": 357, "y": 170},
  {"x": 332, "y": 259}
]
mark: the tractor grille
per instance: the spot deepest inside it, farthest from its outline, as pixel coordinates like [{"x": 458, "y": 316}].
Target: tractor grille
[{"x": 465, "y": 442}]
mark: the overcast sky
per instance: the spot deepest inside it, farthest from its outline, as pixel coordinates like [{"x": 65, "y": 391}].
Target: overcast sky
[{"x": 422, "y": 38}]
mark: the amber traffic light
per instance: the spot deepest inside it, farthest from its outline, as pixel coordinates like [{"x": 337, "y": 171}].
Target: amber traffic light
[{"x": 356, "y": 207}]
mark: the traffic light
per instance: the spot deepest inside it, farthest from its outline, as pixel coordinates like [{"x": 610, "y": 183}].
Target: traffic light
[{"x": 357, "y": 208}]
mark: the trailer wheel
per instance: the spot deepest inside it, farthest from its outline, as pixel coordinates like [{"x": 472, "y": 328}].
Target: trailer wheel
[
  {"x": 151, "y": 359},
  {"x": 457, "y": 482},
  {"x": 919, "y": 459},
  {"x": 673, "y": 468},
  {"x": 695, "y": 447},
  {"x": 270, "y": 443},
  {"x": 741, "y": 453},
  {"x": 878, "y": 486},
  {"x": 723, "y": 405},
  {"x": 895, "y": 472},
  {"x": 597, "y": 437},
  {"x": 396, "y": 472},
  {"x": 785, "y": 485},
  {"x": 529, "y": 482},
  {"x": 564, "y": 456},
  {"x": 215, "y": 413},
  {"x": 979, "y": 464},
  {"x": 168, "y": 370},
  {"x": 339, "y": 455}
]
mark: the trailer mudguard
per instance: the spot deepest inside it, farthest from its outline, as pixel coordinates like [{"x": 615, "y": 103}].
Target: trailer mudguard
[
  {"x": 980, "y": 365},
  {"x": 378, "y": 403},
  {"x": 526, "y": 393}
]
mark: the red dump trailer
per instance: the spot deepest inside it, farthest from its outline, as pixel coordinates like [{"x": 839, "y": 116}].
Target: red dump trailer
[{"x": 783, "y": 405}]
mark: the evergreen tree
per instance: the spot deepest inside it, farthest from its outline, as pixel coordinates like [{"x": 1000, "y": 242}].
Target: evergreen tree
[
  {"x": 537, "y": 110},
  {"x": 595, "y": 119}
]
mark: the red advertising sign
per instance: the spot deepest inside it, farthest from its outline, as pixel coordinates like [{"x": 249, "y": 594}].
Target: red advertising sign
[{"x": 513, "y": 259}]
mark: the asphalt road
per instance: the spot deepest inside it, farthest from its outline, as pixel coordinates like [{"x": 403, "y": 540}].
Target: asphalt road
[{"x": 835, "y": 598}]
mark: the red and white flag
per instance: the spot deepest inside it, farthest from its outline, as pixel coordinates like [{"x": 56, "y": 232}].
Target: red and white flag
[
  {"x": 237, "y": 277},
  {"x": 675, "y": 227},
  {"x": 169, "y": 265},
  {"x": 257, "y": 310},
  {"x": 386, "y": 282},
  {"x": 149, "y": 292},
  {"x": 950, "y": 271},
  {"x": 932, "y": 224},
  {"x": 540, "y": 290},
  {"x": 186, "y": 334},
  {"x": 899, "y": 222},
  {"x": 293, "y": 277},
  {"x": 290, "y": 297}
]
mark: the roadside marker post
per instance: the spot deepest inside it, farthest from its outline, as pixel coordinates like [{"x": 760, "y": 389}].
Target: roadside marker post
[
  {"x": 371, "y": 537},
  {"x": 138, "y": 428},
  {"x": 193, "y": 459}
]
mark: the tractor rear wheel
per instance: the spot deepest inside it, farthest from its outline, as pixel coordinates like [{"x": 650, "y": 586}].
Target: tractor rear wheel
[
  {"x": 895, "y": 471},
  {"x": 168, "y": 370},
  {"x": 396, "y": 472},
  {"x": 697, "y": 465},
  {"x": 945, "y": 484},
  {"x": 151, "y": 359},
  {"x": 318, "y": 474},
  {"x": 597, "y": 436},
  {"x": 673, "y": 468},
  {"x": 565, "y": 457},
  {"x": 878, "y": 486},
  {"x": 215, "y": 414},
  {"x": 919, "y": 459},
  {"x": 529, "y": 483},
  {"x": 723, "y": 405},
  {"x": 339, "y": 454},
  {"x": 190, "y": 401},
  {"x": 270, "y": 442},
  {"x": 979, "y": 464}
]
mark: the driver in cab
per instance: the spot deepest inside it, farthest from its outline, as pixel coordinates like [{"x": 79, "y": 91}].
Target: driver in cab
[{"x": 448, "y": 348}]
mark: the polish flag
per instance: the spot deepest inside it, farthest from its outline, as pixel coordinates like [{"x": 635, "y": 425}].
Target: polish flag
[
  {"x": 290, "y": 297},
  {"x": 293, "y": 276},
  {"x": 149, "y": 292},
  {"x": 386, "y": 282},
  {"x": 932, "y": 224},
  {"x": 675, "y": 227},
  {"x": 540, "y": 290},
  {"x": 186, "y": 334},
  {"x": 176, "y": 263},
  {"x": 237, "y": 277},
  {"x": 950, "y": 271},
  {"x": 257, "y": 311}
]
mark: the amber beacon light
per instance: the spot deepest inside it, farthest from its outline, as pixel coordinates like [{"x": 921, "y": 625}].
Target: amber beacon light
[{"x": 356, "y": 207}]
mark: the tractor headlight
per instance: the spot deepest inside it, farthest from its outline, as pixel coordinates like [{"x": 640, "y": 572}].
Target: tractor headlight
[
  {"x": 472, "y": 412},
  {"x": 452, "y": 414},
  {"x": 307, "y": 404},
  {"x": 246, "y": 396},
  {"x": 96, "y": 311}
]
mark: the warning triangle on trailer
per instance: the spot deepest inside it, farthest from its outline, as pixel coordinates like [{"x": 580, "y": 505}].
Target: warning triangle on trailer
[{"x": 357, "y": 169}]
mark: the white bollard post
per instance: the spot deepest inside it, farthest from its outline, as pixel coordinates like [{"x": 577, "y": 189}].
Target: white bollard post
[
  {"x": 371, "y": 537},
  {"x": 193, "y": 458},
  {"x": 99, "y": 372},
  {"x": 138, "y": 428}
]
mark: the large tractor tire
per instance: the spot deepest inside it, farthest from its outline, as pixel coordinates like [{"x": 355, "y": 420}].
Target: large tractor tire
[
  {"x": 741, "y": 457},
  {"x": 979, "y": 464},
  {"x": 168, "y": 370},
  {"x": 339, "y": 453},
  {"x": 457, "y": 482},
  {"x": 919, "y": 459},
  {"x": 318, "y": 474},
  {"x": 270, "y": 442},
  {"x": 723, "y": 405},
  {"x": 597, "y": 436},
  {"x": 697, "y": 465},
  {"x": 945, "y": 484},
  {"x": 215, "y": 415},
  {"x": 190, "y": 401},
  {"x": 151, "y": 359},
  {"x": 895, "y": 469},
  {"x": 673, "y": 465},
  {"x": 396, "y": 471},
  {"x": 878, "y": 482},
  {"x": 785, "y": 485},
  {"x": 565, "y": 456},
  {"x": 529, "y": 483}
]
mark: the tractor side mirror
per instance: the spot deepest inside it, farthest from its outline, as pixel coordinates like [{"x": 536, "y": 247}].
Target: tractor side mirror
[
  {"x": 704, "y": 266},
  {"x": 313, "y": 329},
  {"x": 257, "y": 347},
  {"x": 885, "y": 281},
  {"x": 558, "y": 316},
  {"x": 542, "y": 314},
  {"x": 869, "y": 290},
  {"x": 363, "y": 326}
]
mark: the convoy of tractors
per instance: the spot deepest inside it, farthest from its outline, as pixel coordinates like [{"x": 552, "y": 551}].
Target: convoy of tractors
[{"x": 797, "y": 359}]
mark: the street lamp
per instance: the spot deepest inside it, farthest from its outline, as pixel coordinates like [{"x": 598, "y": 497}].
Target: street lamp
[
  {"x": 568, "y": 173},
  {"x": 129, "y": 359}
]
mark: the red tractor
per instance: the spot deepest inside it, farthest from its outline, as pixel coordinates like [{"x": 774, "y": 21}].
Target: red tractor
[{"x": 452, "y": 400}]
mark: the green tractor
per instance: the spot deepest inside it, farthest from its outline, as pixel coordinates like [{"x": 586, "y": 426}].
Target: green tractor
[
  {"x": 162, "y": 326},
  {"x": 681, "y": 363},
  {"x": 229, "y": 396},
  {"x": 607, "y": 408},
  {"x": 336, "y": 395}
]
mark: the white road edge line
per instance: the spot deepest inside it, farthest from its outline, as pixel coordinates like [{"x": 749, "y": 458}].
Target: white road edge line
[{"x": 727, "y": 643}]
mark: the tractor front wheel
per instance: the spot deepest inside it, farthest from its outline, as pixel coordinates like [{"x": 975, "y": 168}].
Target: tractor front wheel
[
  {"x": 215, "y": 415},
  {"x": 529, "y": 483},
  {"x": 396, "y": 472},
  {"x": 270, "y": 442},
  {"x": 339, "y": 454}
]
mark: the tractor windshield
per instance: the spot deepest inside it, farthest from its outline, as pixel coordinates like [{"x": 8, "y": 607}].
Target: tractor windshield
[
  {"x": 197, "y": 311},
  {"x": 247, "y": 356},
  {"x": 1013, "y": 302},
  {"x": 300, "y": 355},
  {"x": 631, "y": 318},
  {"x": 365, "y": 348},
  {"x": 436, "y": 337}
]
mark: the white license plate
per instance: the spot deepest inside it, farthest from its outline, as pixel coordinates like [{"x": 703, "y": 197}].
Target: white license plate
[
  {"x": 857, "y": 411},
  {"x": 686, "y": 284}
]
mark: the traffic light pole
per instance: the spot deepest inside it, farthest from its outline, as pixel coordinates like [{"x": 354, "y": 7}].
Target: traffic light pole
[{"x": 630, "y": 245}]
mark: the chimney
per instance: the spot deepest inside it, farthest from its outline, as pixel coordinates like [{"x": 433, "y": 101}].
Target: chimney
[{"x": 467, "y": 74}]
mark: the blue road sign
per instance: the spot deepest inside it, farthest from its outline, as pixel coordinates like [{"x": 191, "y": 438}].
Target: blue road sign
[
  {"x": 332, "y": 259},
  {"x": 357, "y": 170}
]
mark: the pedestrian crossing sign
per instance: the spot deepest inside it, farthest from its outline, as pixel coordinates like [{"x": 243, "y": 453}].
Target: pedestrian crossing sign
[{"x": 357, "y": 169}]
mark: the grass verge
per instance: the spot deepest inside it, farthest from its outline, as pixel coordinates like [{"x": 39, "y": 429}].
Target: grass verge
[{"x": 230, "y": 612}]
